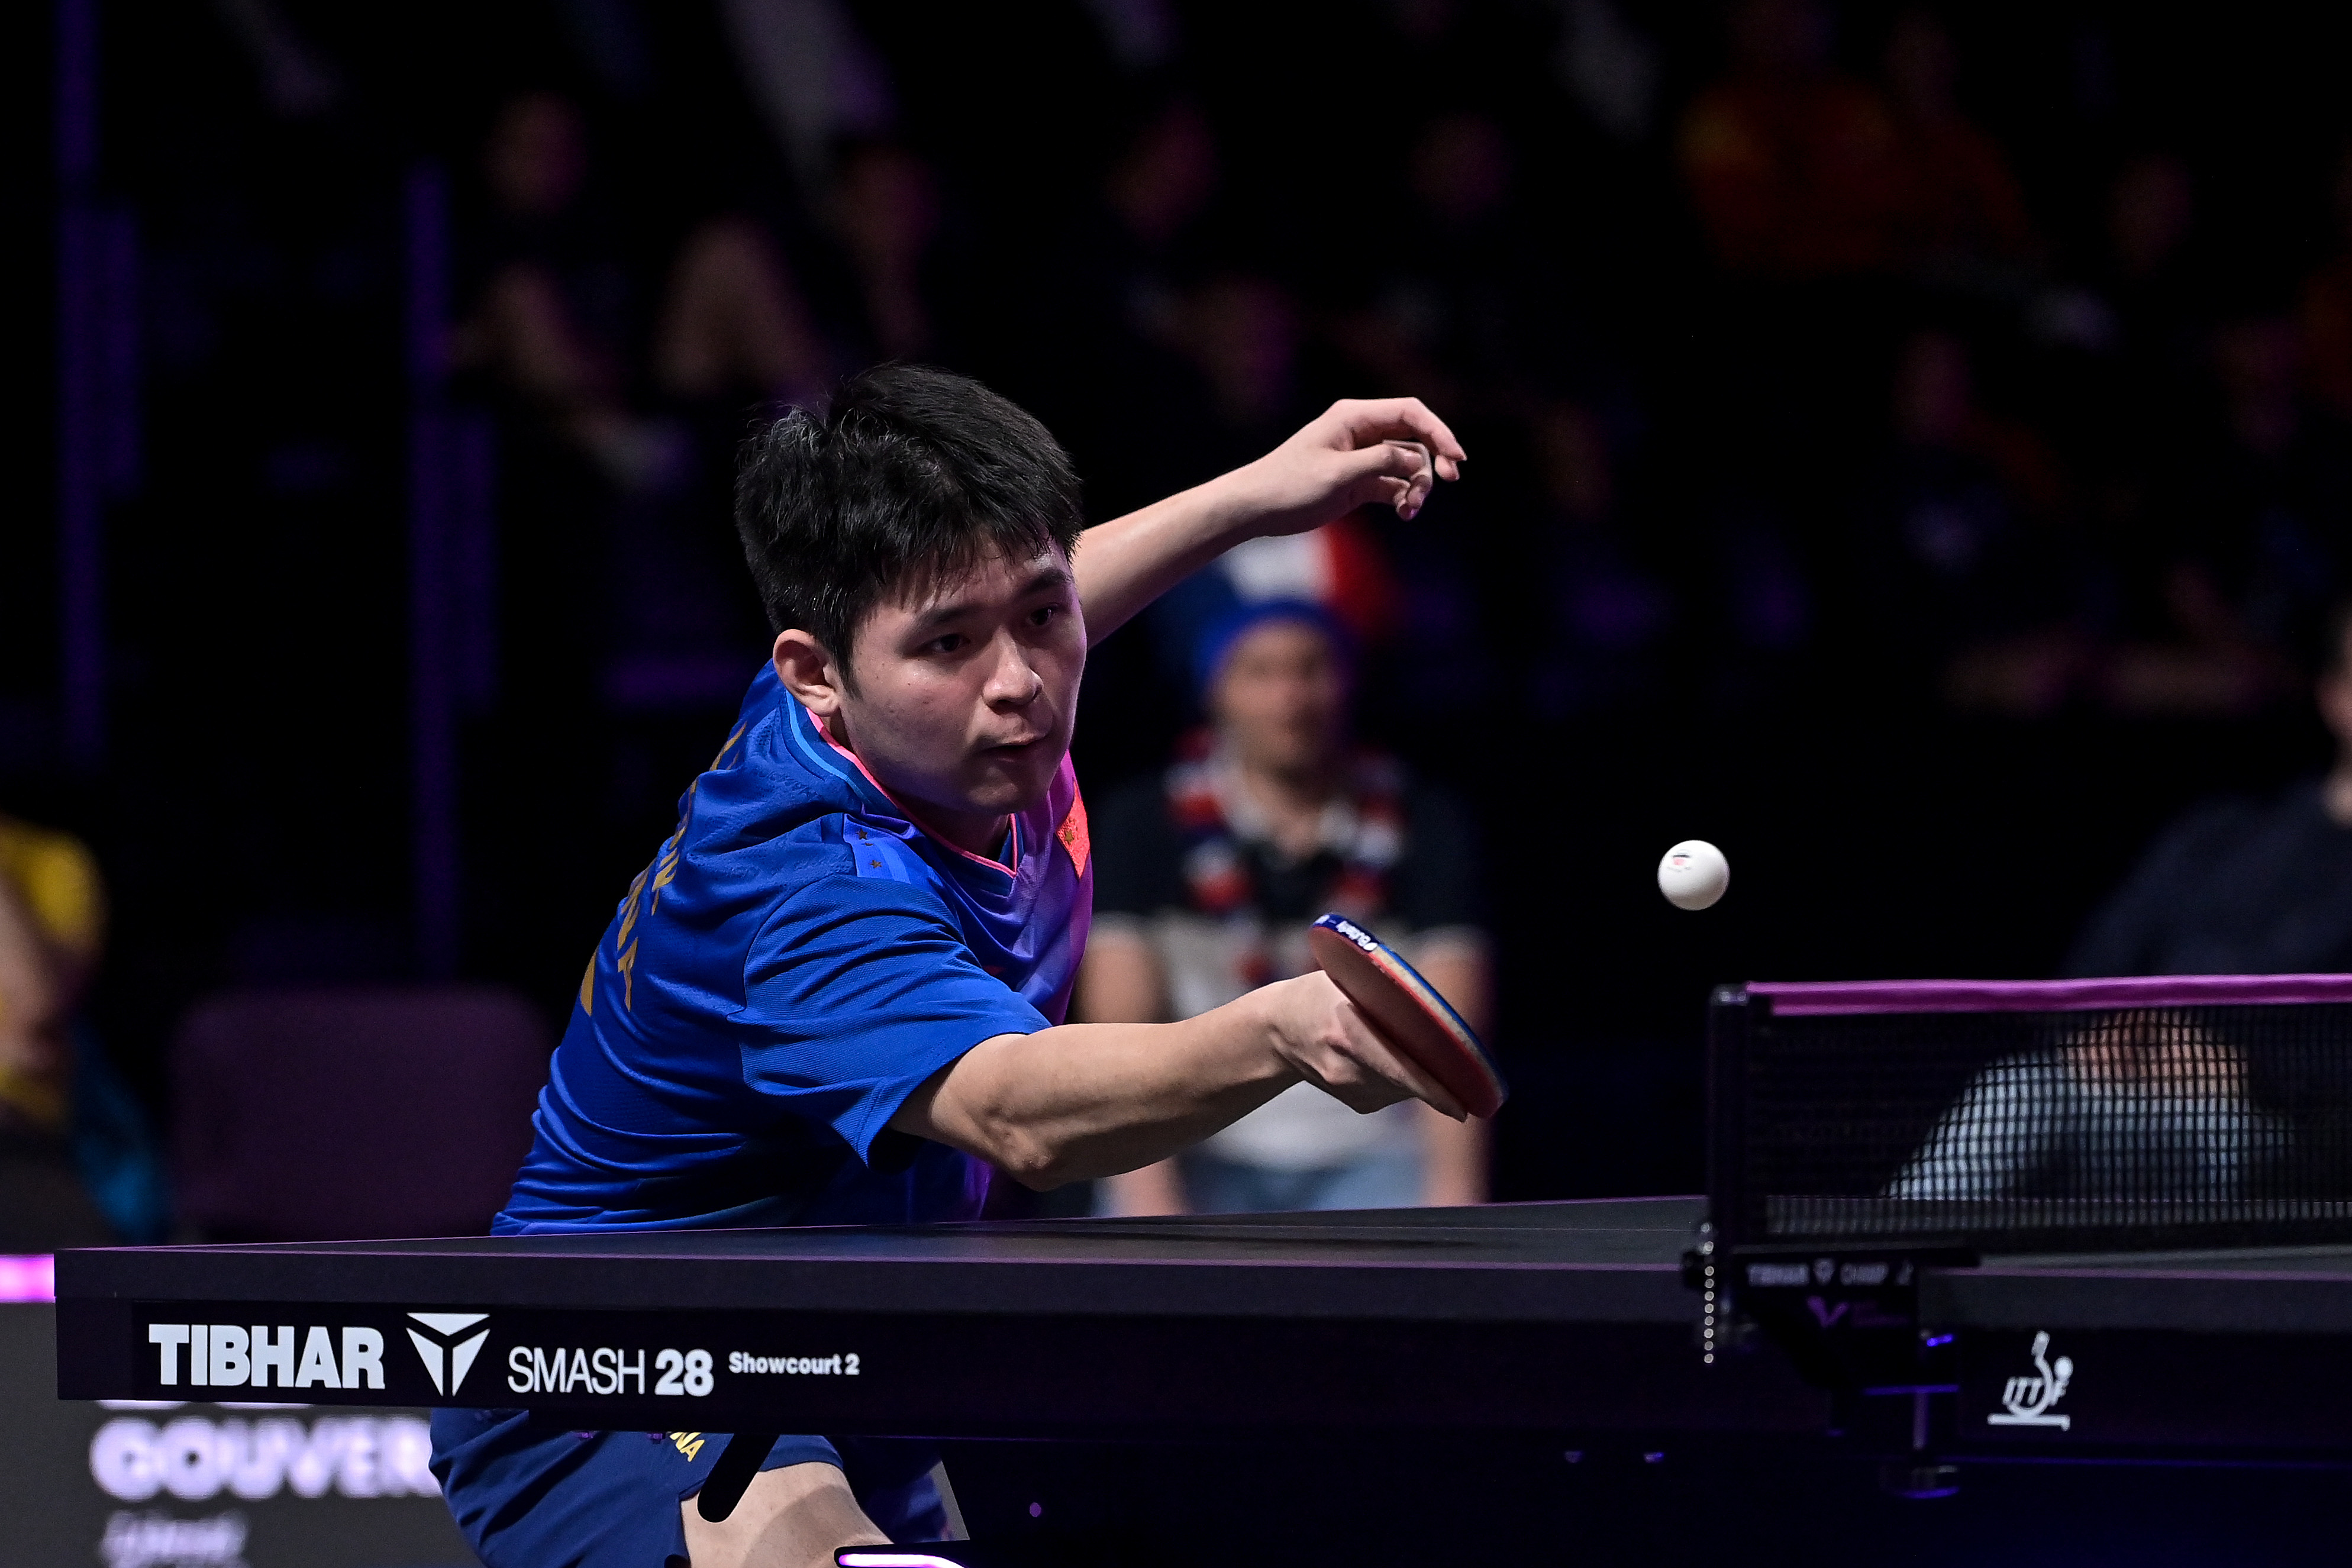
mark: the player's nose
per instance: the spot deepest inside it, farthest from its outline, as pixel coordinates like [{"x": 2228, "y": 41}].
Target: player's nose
[{"x": 1012, "y": 680}]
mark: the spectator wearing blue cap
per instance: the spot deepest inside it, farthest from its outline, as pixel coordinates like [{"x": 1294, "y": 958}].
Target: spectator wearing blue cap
[{"x": 1206, "y": 879}]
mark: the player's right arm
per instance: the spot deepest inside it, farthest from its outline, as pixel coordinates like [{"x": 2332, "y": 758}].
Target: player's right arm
[{"x": 1080, "y": 1101}]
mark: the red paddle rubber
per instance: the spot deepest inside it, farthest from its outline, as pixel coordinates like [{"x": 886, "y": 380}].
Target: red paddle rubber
[{"x": 1408, "y": 1010}]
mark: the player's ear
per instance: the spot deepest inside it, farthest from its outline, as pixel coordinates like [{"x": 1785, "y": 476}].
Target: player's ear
[{"x": 807, "y": 671}]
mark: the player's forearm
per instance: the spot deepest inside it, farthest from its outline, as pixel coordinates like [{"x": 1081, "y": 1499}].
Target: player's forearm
[
  {"x": 1387, "y": 451},
  {"x": 1093, "y": 1099},
  {"x": 1125, "y": 563}
]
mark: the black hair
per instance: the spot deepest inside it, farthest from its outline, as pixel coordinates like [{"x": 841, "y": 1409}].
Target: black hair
[{"x": 908, "y": 476}]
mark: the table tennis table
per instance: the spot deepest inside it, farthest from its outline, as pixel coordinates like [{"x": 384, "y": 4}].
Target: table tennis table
[
  {"x": 1554, "y": 1320},
  {"x": 2140, "y": 1254}
]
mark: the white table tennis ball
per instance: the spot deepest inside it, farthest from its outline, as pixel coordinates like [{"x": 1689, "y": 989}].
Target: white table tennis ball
[{"x": 1694, "y": 874}]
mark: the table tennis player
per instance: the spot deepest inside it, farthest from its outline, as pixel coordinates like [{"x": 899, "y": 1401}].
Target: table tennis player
[{"x": 835, "y": 996}]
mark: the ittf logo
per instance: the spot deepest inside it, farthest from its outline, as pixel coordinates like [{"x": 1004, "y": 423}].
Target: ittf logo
[{"x": 443, "y": 1344}]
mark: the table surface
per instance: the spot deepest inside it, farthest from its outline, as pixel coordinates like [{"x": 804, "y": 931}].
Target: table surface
[
  {"x": 1543, "y": 1262},
  {"x": 1618, "y": 1259}
]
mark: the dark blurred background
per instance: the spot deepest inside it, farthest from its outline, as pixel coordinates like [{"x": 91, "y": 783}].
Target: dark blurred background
[{"x": 1912, "y": 448}]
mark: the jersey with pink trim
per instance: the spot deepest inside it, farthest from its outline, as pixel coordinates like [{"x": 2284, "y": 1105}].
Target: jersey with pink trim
[{"x": 800, "y": 956}]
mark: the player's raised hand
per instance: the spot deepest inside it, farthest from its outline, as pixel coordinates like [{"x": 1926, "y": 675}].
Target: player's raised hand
[
  {"x": 1331, "y": 1044},
  {"x": 1388, "y": 452}
]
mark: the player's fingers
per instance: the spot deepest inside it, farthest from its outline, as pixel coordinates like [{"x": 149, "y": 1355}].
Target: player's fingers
[
  {"x": 1336, "y": 1049},
  {"x": 1421, "y": 481},
  {"x": 1374, "y": 1049},
  {"x": 1393, "y": 473},
  {"x": 1366, "y": 420}
]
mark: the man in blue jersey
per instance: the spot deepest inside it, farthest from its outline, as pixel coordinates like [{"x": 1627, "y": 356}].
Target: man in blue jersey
[{"x": 835, "y": 996}]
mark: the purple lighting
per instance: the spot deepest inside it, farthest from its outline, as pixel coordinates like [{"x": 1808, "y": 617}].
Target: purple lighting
[
  {"x": 1825, "y": 998},
  {"x": 894, "y": 1560},
  {"x": 29, "y": 1277}
]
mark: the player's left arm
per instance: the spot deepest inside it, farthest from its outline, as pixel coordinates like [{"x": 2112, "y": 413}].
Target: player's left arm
[{"x": 1388, "y": 452}]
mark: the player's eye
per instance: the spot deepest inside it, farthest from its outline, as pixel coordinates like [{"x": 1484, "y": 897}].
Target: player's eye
[
  {"x": 1044, "y": 614},
  {"x": 950, "y": 643}
]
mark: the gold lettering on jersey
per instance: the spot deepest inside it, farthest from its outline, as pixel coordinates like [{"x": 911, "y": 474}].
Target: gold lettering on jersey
[{"x": 664, "y": 871}]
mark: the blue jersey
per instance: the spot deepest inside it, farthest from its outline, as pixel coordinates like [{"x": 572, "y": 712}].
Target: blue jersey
[{"x": 797, "y": 960}]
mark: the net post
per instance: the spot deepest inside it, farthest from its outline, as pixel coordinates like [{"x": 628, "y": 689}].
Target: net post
[{"x": 1730, "y": 1021}]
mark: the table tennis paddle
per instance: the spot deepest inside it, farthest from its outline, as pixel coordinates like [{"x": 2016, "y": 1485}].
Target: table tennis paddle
[{"x": 1408, "y": 1011}]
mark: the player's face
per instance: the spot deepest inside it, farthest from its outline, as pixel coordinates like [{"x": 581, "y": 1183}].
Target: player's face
[
  {"x": 1281, "y": 699},
  {"x": 963, "y": 703}
]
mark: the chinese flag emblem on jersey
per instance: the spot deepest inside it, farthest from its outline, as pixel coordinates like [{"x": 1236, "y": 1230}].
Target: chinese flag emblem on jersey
[{"x": 1073, "y": 835}]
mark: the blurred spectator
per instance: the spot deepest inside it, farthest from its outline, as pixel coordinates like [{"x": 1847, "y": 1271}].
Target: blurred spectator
[
  {"x": 732, "y": 323},
  {"x": 2251, "y": 534},
  {"x": 1142, "y": 35},
  {"x": 1610, "y": 612},
  {"x": 2277, "y": 488},
  {"x": 77, "y": 1167},
  {"x": 51, "y": 917},
  {"x": 1162, "y": 183},
  {"x": 1765, "y": 605},
  {"x": 1239, "y": 334},
  {"x": 1242, "y": 333},
  {"x": 813, "y": 74},
  {"x": 1228, "y": 386},
  {"x": 560, "y": 321},
  {"x": 1796, "y": 169},
  {"x": 1205, "y": 883},
  {"x": 623, "y": 614},
  {"x": 2245, "y": 886},
  {"x": 2139, "y": 1105},
  {"x": 2157, "y": 291},
  {"x": 884, "y": 210},
  {"x": 299, "y": 82},
  {"x": 1609, "y": 66},
  {"x": 556, "y": 318},
  {"x": 1966, "y": 567},
  {"x": 2150, "y": 215},
  {"x": 2326, "y": 305},
  {"x": 1963, "y": 217},
  {"x": 1097, "y": 352},
  {"x": 1454, "y": 310}
]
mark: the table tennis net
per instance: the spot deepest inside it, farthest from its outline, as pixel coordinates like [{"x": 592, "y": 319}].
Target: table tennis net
[{"x": 2055, "y": 1115}]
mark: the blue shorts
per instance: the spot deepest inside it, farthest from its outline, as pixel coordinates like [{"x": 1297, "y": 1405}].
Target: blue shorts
[{"x": 529, "y": 1494}]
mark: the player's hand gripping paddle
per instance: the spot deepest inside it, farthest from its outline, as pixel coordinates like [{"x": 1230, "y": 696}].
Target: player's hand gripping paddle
[{"x": 1408, "y": 1011}]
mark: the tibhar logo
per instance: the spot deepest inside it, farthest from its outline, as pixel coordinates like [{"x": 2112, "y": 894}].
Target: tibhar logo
[
  {"x": 232, "y": 1355},
  {"x": 2029, "y": 1398},
  {"x": 442, "y": 1344}
]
